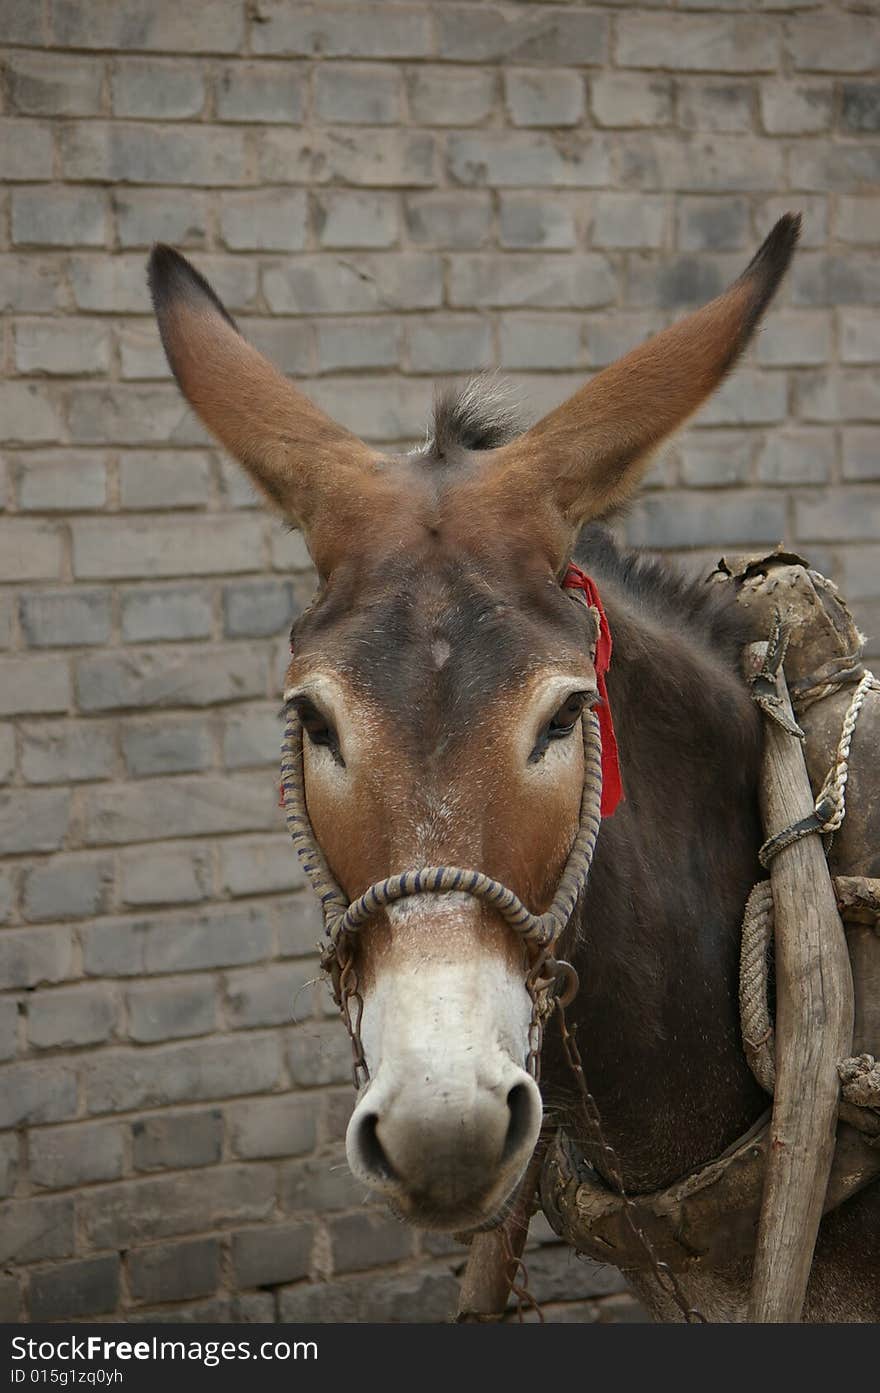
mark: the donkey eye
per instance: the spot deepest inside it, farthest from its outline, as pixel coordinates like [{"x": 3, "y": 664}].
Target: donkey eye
[
  {"x": 319, "y": 729},
  {"x": 562, "y": 723}
]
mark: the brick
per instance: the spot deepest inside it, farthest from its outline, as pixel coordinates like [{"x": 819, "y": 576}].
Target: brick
[
  {"x": 712, "y": 224},
  {"x": 802, "y": 458},
  {"x": 264, "y": 92},
  {"x": 272, "y": 221},
  {"x": 348, "y": 344},
  {"x": 62, "y": 1157},
  {"x": 28, "y": 414},
  {"x": 29, "y": 285},
  {"x": 348, "y": 285},
  {"x": 695, "y": 43},
  {"x": 265, "y": 997},
  {"x": 26, "y": 151},
  {"x": 621, "y": 99},
  {"x": 321, "y": 1185},
  {"x": 142, "y": 219},
  {"x": 174, "y": 1271},
  {"x": 66, "y": 887},
  {"x": 52, "y": 84},
  {"x": 66, "y": 751},
  {"x": 34, "y": 685},
  {"x": 131, "y": 414},
  {"x": 352, "y": 94},
  {"x": 410, "y": 1296},
  {"x": 86, "y": 1288},
  {"x": 529, "y": 341},
  {"x": 482, "y": 33},
  {"x": 8, "y": 1163},
  {"x": 29, "y": 551},
  {"x": 175, "y": 1141},
  {"x": 188, "y": 806},
  {"x": 360, "y": 1241},
  {"x": 113, "y": 284},
  {"x": 155, "y": 88},
  {"x": 851, "y": 514},
  {"x": 33, "y": 1094},
  {"x": 357, "y": 219},
  {"x": 6, "y": 608},
  {"x": 826, "y": 44},
  {"x": 849, "y": 279},
  {"x": 376, "y": 158},
  {"x": 127, "y": 152},
  {"x": 10, "y": 1300},
  {"x": 860, "y": 572},
  {"x": 141, "y": 355},
  {"x": 629, "y": 220},
  {"x": 160, "y": 875},
  {"x": 290, "y": 553},
  {"x": 112, "y": 548},
  {"x": 544, "y": 97},
  {"x": 167, "y": 612},
  {"x": 376, "y": 408},
  {"x": 459, "y": 344},
  {"x": 860, "y": 107},
  {"x": 715, "y": 460},
  {"x": 859, "y": 334},
  {"x": 288, "y": 344},
  {"x": 527, "y": 221},
  {"x": 828, "y": 166},
  {"x": 678, "y": 520},
  {"x": 324, "y": 1301},
  {"x": 178, "y": 942},
  {"x": 217, "y": 28},
  {"x": 7, "y": 882},
  {"x": 56, "y": 217},
  {"x": 861, "y": 454},
  {"x": 166, "y": 479},
  {"x": 237, "y": 490},
  {"x": 170, "y": 1010},
  {"x": 795, "y": 338},
  {"x": 58, "y": 618},
  {"x": 33, "y": 956},
  {"x": 319, "y": 1053},
  {"x": 71, "y": 1016},
  {"x": 165, "y": 678},
  {"x": 547, "y": 282},
  {"x": 251, "y": 737},
  {"x": 271, "y": 1255},
  {"x": 340, "y": 31},
  {"x": 749, "y": 398},
  {"x": 169, "y": 747},
  {"x": 705, "y": 164},
  {"x": 517, "y": 159},
  {"x": 70, "y": 349},
  {"x": 61, "y": 481},
  {"x": 715, "y": 105},
  {"x": 36, "y": 1229},
  {"x": 445, "y": 96},
  {"x": 159, "y": 1206},
  {"x": 796, "y": 108},
  {"x": 281, "y": 1126},
  {"x": 8, "y": 1044},
  {"x": 457, "y": 220},
  {"x": 118, "y": 1080}
]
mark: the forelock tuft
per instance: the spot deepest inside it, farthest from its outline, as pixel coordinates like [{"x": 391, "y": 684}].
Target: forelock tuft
[{"x": 478, "y": 416}]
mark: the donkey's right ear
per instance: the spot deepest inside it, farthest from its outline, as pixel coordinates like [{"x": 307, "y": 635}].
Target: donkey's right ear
[{"x": 297, "y": 456}]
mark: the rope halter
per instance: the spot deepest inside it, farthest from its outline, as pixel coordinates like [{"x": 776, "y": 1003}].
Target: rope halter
[{"x": 539, "y": 932}]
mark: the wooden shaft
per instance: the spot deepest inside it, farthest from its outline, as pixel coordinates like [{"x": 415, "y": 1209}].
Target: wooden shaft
[
  {"x": 487, "y": 1278},
  {"x": 814, "y": 1027}
]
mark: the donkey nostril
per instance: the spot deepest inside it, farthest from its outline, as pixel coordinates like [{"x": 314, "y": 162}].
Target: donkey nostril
[
  {"x": 520, "y": 1105},
  {"x": 370, "y": 1150}
]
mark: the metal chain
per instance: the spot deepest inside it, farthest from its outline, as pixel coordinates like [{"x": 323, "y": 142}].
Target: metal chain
[
  {"x": 515, "y": 1266},
  {"x": 666, "y": 1278}
]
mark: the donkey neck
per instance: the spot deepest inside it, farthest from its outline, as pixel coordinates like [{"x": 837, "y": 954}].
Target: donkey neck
[{"x": 658, "y": 934}]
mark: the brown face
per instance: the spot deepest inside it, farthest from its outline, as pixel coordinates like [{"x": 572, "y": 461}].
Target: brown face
[{"x": 440, "y": 678}]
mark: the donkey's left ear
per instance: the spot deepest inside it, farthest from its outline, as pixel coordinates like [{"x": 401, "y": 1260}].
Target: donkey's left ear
[{"x": 594, "y": 448}]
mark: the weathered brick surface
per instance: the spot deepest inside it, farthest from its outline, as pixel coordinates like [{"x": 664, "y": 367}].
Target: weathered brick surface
[{"x": 383, "y": 191}]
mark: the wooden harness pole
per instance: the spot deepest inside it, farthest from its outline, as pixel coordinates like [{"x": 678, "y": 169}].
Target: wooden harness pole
[{"x": 814, "y": 1026}]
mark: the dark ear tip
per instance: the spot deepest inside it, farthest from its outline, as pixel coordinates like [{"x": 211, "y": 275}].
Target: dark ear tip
[
  {"x": 775, "y": 252},
  {"x": 171, "y": 277}
]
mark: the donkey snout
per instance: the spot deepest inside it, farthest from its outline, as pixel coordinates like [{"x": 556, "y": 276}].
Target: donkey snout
[{"x": 445, "y": 1158}]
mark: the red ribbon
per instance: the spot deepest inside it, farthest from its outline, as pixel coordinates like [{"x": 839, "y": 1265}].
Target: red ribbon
[{"x": 612, "y": 788}]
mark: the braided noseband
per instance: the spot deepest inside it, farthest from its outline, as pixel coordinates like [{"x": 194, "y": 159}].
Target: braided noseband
[{"x": 539, "y": 931}]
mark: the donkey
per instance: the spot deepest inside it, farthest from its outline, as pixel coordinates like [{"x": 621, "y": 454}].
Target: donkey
[{"x": 441, "y": 676}]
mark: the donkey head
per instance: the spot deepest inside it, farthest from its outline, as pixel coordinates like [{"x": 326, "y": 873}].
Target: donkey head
[{"x": 440, "y": 676}]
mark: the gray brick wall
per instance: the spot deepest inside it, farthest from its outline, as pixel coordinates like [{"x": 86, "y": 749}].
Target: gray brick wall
[{"x": 385, "y": 194}]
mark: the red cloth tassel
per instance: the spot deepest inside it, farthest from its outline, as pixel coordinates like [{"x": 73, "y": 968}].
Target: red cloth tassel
[{"x": 612, "y": 787}]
